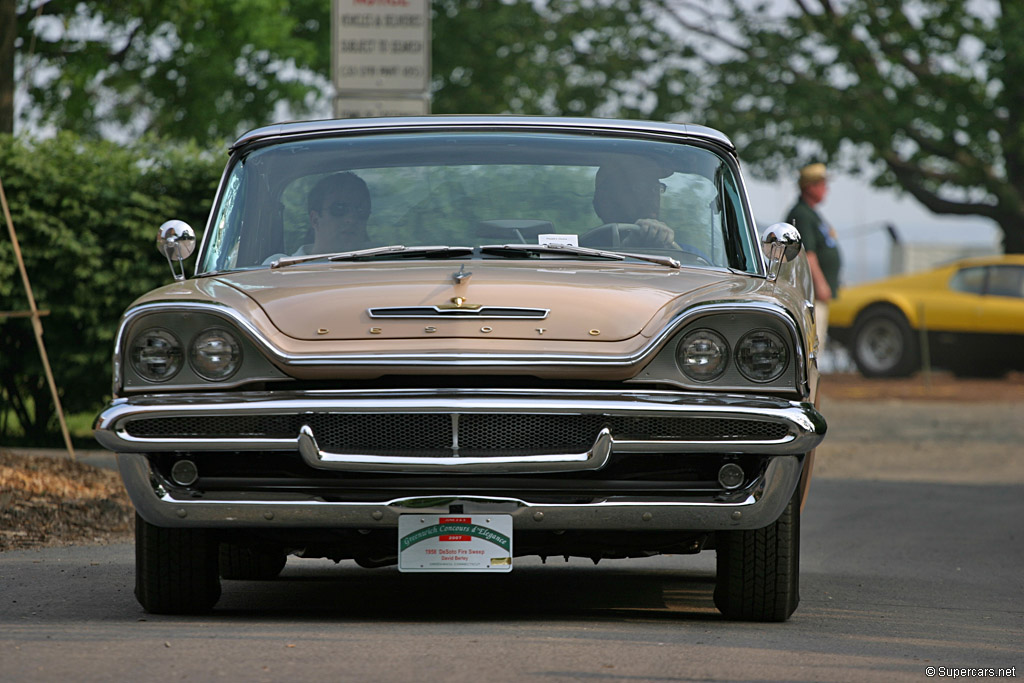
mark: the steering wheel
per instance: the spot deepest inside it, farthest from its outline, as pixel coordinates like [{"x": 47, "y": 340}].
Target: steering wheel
[
  {"x": 608, "y": 235},
  {"x": 611, "y": 235}
]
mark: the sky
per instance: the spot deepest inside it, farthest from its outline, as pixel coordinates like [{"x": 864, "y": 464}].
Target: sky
[{"x": 859, "y": 213}]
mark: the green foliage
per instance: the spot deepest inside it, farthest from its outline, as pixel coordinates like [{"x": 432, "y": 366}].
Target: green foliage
[
  {"x": 919, "y": 95},
  {"x": 86, "y": 214},
  {"x": 198, "y": 70},
  {"x": 561, "y": 57},
  {"x": 210, "y": 69}
]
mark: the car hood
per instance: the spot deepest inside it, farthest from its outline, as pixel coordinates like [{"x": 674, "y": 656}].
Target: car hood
[{"x": 510, "y": 300}]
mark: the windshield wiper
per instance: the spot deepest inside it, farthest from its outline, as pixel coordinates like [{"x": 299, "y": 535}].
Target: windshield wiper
[
  {"x": 528, "y": 249},
  {"x": 393, "y": 251}
]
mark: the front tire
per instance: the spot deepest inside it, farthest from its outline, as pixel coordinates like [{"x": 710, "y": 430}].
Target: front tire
[
  {"x": 884, "y": 345},
  {"x": 175, "y": 569},
  {"x": 758, "y": 571}
]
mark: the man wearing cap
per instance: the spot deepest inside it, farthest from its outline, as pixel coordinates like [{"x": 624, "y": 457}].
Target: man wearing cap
[
  {"x": 630, "y": 193},
  {"x": 819, "y": 240}
]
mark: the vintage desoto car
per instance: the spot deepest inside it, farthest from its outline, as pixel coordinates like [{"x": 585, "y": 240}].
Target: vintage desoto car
[{"x": 444, "y": 343}]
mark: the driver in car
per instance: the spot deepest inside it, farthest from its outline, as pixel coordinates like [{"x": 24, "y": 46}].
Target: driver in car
[{"x": 628, "y": 195}]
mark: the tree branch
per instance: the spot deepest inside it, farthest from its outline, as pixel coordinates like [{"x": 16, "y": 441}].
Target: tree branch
[{"x": 910, "y": 177}]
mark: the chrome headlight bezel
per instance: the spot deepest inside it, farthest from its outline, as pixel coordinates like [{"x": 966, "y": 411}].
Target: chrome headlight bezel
[
  {"x": 732, "y": 322},
  {"x": 244, "y": 364}
]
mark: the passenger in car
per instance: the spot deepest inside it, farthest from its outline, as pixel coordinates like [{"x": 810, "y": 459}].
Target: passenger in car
[{"x": 339, "y": 207}]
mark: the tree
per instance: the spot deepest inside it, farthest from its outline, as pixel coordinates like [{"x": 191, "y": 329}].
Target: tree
[
  {"x": 924, "y": 95},
  {"x": 560, "y": 57},
  {"x": 8, "y": 29},
  {"x": 916, "y": 94},
  {"x": 209, "y": 69},
  {"x": 202, "y": 70}
]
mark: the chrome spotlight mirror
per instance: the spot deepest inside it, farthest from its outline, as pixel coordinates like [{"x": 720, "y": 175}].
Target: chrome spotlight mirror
[
  {"x": 176, "y": 241},
  {"x": 781, "y": 244}
]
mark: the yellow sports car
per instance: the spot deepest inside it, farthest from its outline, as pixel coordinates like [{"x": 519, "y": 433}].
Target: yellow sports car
[{"x": 966, "y": 316}]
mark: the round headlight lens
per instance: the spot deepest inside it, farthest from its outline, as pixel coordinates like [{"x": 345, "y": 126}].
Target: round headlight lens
[
  {"x": 762, "y": 356},
  {"x": 156, "y": 355},
  {"x": 703, "y": 355},
  {"x": 215, "y": 354}
]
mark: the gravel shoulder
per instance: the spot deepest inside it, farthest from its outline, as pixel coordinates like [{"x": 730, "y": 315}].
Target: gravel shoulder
[{"x": 937, "y": 429}]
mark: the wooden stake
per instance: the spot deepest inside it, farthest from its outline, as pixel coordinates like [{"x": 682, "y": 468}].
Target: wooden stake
[{"x": 37, "y": 326}]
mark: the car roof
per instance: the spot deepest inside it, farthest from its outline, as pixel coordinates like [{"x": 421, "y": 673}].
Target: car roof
[
  {"x": 330, "y": 127},
  {"x": 992, "y": 259}
]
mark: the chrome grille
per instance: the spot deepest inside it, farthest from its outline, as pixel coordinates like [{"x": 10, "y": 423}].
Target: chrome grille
[
  {"x": 479, "y": 434},
  {"x": 695, "y": 429},
  {"x": 217, "y": 427}
]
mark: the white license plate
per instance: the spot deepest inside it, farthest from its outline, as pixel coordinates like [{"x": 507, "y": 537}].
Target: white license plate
[{"x": 455, "y": 543}]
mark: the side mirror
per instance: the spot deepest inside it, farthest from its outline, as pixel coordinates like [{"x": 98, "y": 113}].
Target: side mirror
[
  {"x": 781, "y": 244},
  {"x": 176, "y": 241}
]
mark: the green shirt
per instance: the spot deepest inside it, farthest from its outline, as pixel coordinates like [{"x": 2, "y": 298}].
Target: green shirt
[{"x": 818, "y": 238}]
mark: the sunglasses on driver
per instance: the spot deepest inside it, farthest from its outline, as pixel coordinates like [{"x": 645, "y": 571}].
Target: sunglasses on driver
[{"x": 342, "y": 209}]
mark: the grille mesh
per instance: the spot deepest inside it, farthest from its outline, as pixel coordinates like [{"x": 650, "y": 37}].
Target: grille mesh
[
  {"x": 695, "y": 429},
  {"x": 371, "y": 434},
  {"x": 511, "y": 433},
  {"x": 480, "y": 434}
]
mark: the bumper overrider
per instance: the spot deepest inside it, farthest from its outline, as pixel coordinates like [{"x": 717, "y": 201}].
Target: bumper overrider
[{"x": 289, "y": 422}]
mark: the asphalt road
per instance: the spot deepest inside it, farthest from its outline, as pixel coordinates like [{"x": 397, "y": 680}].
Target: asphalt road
[{"x": 899, "y": 573}]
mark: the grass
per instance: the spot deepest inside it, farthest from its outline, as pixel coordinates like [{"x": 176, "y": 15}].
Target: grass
[{"x": 79, "y": 426}]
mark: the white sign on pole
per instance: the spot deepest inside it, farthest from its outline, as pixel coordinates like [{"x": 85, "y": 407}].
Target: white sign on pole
[
  {"x": 362, "y": 107},
  {"x": 381, "y": 46}
]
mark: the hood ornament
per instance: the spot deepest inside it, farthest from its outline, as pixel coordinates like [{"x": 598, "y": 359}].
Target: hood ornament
[{"x": 461, "y": 275}]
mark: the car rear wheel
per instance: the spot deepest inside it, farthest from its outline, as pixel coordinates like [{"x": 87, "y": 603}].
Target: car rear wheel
[
  {"x": 758, "y": 571},
  {"x": 175, "y": 569},
  {"x": 248, "y": 563},
  {"x": 884, "y": 345}
]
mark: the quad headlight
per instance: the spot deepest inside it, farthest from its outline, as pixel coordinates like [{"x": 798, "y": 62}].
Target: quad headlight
[
  {"x": 210, "y": 353},
  {"x": 215, "y": 354},
  {"x": 156, "y": 355},
  {"x": 703, "y": 355},
  {"x": 762, "y": 356}
]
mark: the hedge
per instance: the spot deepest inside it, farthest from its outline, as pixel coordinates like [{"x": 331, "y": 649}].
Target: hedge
[{"x": 86, "y": 214}]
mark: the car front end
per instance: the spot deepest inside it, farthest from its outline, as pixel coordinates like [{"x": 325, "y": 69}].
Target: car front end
[{"x": 488, "y": 370}]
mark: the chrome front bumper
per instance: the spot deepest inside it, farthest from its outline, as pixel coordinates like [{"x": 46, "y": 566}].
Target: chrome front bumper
[
  {"x": 798, "y": 426},
  {"x": 760, "y": 507},
  {"x": 796, "y": 429}
]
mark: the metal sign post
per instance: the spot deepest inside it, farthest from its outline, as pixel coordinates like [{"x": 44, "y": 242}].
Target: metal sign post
[
  {"x": 37, "y": 326},
  {"x": 380, "y": 57}
]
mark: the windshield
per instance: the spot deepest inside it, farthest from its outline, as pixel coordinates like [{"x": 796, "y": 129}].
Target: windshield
[{"x": 477, "y": 189}]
